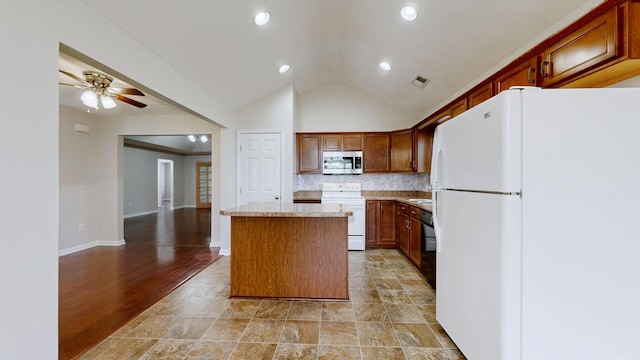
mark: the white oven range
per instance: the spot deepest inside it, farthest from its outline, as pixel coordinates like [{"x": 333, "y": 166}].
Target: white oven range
[{"x": 349, "y": 194}]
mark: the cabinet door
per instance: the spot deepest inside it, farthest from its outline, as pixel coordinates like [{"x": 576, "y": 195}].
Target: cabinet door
[
  {"x": 309, "y": 153},
  {"x": 423, "y": 147},
  {"x": 523, "y": 74},
  {"x": 332, "y": 142},
  {"x": 415, "y": 241},
  {"x": 585, "y": 48},
  {"x": 372, "y": 223},
  {"x": 459, "y": 107},
  {"x": 402, "y": 151},
  {"x": 376, "y": 153},
  {"x": 386, "y": 225},
  {"x": 480, "y": 95},
  {"x": 352, "y": 142},
  {"x": 402, "y": 227}
]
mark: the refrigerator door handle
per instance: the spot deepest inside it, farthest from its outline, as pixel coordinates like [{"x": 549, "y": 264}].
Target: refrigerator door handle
[
  {"x": 435, "y": 158},
  {"x": 436, "y": 225}
]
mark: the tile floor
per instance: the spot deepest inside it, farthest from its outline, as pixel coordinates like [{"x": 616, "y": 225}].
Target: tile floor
[{"x": 391, "y": 315}]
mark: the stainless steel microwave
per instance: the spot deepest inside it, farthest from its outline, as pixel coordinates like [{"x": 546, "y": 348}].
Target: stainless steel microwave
[{"x": 342, "y": 162}]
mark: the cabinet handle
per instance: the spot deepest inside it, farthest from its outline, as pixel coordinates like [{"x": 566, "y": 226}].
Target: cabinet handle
[
  {"x": 532, "y": 71},
  {"x": 544, "y": 69}
]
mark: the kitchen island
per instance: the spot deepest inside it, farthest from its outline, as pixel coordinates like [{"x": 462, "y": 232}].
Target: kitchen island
[{"x": 289, "y": 251}]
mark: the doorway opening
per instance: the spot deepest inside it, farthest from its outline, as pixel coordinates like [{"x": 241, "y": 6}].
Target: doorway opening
[{"x": 165, "y": 183}]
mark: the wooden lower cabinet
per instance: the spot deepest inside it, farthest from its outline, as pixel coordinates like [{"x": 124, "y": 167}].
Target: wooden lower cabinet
[
  {"x": 402, "y": 227},
  {"x": 380, "y": 227},
  {"x": 415, "y": 236},
  {"x": 409, "y": 232}
]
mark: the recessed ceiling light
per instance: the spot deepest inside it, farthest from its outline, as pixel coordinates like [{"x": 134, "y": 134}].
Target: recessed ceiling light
[
  {"x": 284, "y": 68},
  {"x": 408, "y": 13},
  {"x": 262, "y": 18},
  {"x": 385, "y": 66}
]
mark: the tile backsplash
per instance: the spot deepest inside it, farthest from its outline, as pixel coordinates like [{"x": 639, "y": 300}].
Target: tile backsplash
[{"x": 418, "y": 182}]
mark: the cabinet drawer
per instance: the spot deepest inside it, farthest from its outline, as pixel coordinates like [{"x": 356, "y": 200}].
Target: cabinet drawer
[
  {"x": 414, "y": 212},
  {"x": 402, "y": 208}
]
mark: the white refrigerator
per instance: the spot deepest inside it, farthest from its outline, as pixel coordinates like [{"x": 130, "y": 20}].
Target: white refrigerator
[{"x": 537, "y": 220}]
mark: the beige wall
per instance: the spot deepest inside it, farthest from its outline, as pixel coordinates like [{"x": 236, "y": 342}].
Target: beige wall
[{"x": 337, "y": 107}]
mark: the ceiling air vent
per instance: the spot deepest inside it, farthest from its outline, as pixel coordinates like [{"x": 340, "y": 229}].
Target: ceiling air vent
[{"x": 420, "y": 81}]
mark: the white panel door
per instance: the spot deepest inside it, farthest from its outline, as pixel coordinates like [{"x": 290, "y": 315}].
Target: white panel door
[{"x": 259, "y": 167}]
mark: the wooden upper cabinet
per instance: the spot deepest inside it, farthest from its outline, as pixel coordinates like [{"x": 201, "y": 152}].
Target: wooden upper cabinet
[
  {"x": 402, "y": 151},
  {"x": 342, "y": 142},
  {"x": 523, "y": 74},
  {"x": 481, "y": 94},
  {"x": 585, "y": 48},
  {"x": 331, "y": 142},
  {"x": 458, "y": 107},
  {"x": 352, "y": 142},
  {"x": 376, "y": 153},
  {"x": 309, "y": 151},
  {"x": 423, "y": 148}
]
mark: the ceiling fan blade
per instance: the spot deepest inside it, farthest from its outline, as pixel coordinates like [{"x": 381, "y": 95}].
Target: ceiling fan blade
[
  {"x": 127, "y": 91},
  {"x": 74, "y": 85},
  {"x": 130, "y": 101},
  {"x": 75, "y": 77}
]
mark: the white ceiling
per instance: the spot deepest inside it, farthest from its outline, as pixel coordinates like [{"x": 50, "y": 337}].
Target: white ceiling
[{"x": 216, "y": 44}]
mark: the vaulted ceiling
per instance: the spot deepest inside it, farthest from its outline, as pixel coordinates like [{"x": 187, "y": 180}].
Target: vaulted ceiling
[{"x": 451, "y": 43}]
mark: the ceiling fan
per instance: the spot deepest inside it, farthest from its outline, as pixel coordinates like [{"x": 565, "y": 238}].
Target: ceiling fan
[{"x": 98, "y": 87}]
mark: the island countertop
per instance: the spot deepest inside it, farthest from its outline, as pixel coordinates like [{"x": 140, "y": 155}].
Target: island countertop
[{"x": 288, "y": 210}]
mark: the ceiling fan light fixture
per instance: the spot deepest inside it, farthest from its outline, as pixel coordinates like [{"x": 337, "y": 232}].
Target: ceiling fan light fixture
[
  {"x": 408, "y": 13},
  {"x": 90, "y": 99},
  {"x": 262, "y": 18},
  {"x": 204, "y": 138},
  {"x": 107, "y": 102},
  {"x": 191, "y": 138}
]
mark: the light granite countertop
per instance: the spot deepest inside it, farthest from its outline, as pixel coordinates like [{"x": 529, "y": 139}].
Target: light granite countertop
[
  {"x": 289, "y": 210},
  {"x": 397, "y": 195}
]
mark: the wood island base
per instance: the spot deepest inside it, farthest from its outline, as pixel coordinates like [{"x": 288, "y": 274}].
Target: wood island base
[{"x": 289, "y": 257}]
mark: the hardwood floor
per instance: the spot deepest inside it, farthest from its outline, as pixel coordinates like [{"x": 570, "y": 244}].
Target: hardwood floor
[{"x": 102, "y": 288}]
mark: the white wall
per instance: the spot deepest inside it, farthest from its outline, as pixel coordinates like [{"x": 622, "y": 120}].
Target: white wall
[
  {"x": 337, "y": 107},
  {"x": 275, "y": 112},
  {"x": 77, "y": 179}
]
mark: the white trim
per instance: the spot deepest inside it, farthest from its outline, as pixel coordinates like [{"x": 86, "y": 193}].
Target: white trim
[
  {"x": 224, "y": 252},
  {"x": 90, "y": 245},
  {"x": 183, "y": 207},
  {"x": 215, "y": 244},
  {"x": 141, "y": 214}
]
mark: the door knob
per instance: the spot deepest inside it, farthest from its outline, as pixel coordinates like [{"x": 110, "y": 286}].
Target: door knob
[{"x": 277, "y": 197}]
